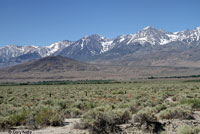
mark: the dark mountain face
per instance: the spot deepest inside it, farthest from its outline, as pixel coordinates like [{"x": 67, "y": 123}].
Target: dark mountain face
[
  {"x": 172, "y": 54},
  {"x": 19, "y": 59},
  {"x": 121, "y": 51},
  {"x": 25, "y": 57},
  {"x": 85, "y": 49}
]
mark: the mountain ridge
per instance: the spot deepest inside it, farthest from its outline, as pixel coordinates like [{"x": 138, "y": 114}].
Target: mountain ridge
[{"x": 94, "y": 47}]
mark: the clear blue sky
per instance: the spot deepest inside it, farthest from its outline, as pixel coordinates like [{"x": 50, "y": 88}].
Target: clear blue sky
[{"x": 42, "y": 22}]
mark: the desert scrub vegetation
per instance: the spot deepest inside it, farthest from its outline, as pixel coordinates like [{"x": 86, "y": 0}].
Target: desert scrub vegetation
[
  {"x": 48, "y": 116},
  {"x": 144, "y": 115},
  {"x": 186, "y": 129},
  {"x": 147, "y": 121},
  {"x": 193, "y": 102},
  {"x": 101, "y": 120},
  {"x": 178, "y": 112},
  {"x": 112, "y": 103}
]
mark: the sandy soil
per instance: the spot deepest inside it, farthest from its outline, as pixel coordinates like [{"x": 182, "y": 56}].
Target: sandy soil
[{"x": 68, "y": 128}]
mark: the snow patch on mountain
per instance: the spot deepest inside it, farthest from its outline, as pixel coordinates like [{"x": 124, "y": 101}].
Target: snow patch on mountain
[
  {"x": 148, "y": 27},
  {"x": 59, "y": 46},
  {"x": 107, "y": 45}
]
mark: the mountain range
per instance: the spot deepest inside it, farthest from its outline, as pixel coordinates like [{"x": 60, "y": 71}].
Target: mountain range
[{"x": 150, "y": 47}]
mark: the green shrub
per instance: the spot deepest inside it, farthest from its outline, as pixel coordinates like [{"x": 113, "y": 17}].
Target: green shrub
[
  {"x": 121, "y": 116},
  {"x": 101, "y": 120},
  {"x": 133, "y": 109},
  {"x": 178, "y": 112},
  {"x": 160, "y": 107},
  {"x": 104, "y": 125},
  {"x": 4, "y": 123},
  {"x": 148, "y": 121},
  {"x": 186, "y": 129},
  {"x": 144, "y": 115},
  {"x": 47, "y": 116},
  {"x": 48, "y": 102},
  {"x": 120, "y": 92},
  {"x": 14, "y": 119},
  {"x": 91, "y": 116},
  {"x": 80, "y": 105},
  {"x": 91, "y": 105},
  {"x": 62, "y": 104},
  {"x": 75, "y": 112},
  {"x": 195, "y": 103},
  {"x": 18, "y": 118}
]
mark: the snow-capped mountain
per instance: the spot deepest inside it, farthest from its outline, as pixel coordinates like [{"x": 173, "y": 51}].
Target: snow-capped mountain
[
  {"x": 55, "y": 48},
  {"x": 14, "y": 50},
  {"x": 13, "y": 54},
  {"x": 87, "y": 47},
  {"x": 95, "y": 46},
  {"x": 147, "y": 35},
  {"x": 159, "y": 37}
]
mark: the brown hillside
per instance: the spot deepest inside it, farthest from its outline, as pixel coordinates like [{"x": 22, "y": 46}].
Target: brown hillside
[{"x": 52, "y": 64}]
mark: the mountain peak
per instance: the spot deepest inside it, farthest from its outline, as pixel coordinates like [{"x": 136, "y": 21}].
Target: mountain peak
[
  {"x": 198, "y": 28},
  {"x": 93, "y": 36},
  {"x": 96, "y": 36},
  {"x": 11, "y": 45},
  {"x": 148, "y": 27}
]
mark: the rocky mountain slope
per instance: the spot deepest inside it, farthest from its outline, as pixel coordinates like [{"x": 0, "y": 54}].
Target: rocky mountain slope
[{"x": 51, "y": 64}]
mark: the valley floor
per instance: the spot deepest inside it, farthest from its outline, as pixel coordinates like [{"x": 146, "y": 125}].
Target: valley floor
[
  {"x": 124, "y": 73},
  {"x": 132, "y": 107}
]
